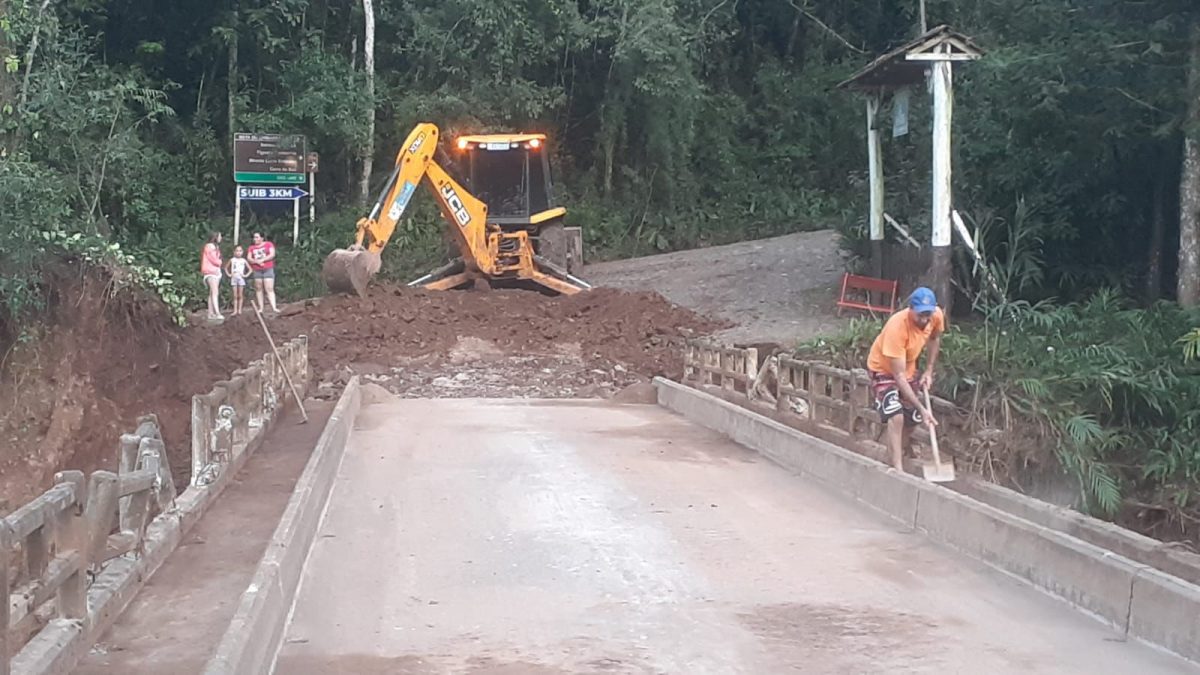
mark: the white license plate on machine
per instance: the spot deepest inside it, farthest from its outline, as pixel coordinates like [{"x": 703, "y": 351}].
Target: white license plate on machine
[{"x": 497, "y": 146}]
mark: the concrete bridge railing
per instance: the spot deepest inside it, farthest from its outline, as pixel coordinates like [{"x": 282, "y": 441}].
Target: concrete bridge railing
[
  {"x": 812, "y": 394},
  {"x": 224, "y": 419},
  {"x": 73, "y": 558}
]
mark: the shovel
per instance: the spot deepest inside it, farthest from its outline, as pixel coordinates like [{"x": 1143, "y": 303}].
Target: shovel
[
  {"x": 279, "y": 359},
  {"x": 936, "y": 472}
]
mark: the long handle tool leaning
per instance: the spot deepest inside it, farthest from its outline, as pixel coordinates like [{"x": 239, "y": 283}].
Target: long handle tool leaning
[
  {"x": 936, "y": 472},
  {"x": 279, "y": 360}
]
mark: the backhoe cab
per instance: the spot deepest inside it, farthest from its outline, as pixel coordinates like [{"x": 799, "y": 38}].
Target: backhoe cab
[
  {"x": 520, "y": 241},
  {"x": 511, "y": 174}
]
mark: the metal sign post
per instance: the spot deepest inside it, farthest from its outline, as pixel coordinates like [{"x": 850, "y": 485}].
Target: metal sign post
[
  {"x": 295, "y": 220},
  {"x": 237, "y": 218},
  {"x": 313, "y": 160}
]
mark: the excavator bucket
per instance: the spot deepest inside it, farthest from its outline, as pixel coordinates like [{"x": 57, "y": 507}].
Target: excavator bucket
[{"x": 350, "y": 270}]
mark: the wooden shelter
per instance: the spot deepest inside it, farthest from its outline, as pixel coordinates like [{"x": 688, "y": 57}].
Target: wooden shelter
[{"x": 926, "y": 59}]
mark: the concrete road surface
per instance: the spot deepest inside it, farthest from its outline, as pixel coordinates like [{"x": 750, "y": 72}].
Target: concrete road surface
[{"x": 561, "y": 537}]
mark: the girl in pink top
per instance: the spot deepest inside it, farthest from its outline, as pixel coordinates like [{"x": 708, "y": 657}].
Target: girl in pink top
[{"x": 210, "y": 268}]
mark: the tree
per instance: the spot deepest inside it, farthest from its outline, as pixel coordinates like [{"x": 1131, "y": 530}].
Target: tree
[
  {"x": 1189, "y": 186},
  {"x": 8, "y": 98},
  {"x": 368, "y": 153},
  {"x": 232, "y": 74}
]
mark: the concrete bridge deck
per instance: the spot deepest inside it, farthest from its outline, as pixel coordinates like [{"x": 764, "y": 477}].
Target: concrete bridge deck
[{"x": 551, "y": 537}]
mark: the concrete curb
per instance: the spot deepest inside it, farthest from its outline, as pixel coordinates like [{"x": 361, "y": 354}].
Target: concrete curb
[
  {"x": 254, "y": 634},
  {"x": 1137, "y": 600},
  {"x": 60, "y": 646}
]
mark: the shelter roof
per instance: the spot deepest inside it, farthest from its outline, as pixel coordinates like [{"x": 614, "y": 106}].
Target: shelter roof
[{"x": 905, "y": 65}]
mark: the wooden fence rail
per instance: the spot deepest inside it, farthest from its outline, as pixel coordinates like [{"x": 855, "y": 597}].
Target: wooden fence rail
[
  {"x": 728, "y": 368},
  {"x": 814, "y": 392},
  {"x": 227, "y": 415}
]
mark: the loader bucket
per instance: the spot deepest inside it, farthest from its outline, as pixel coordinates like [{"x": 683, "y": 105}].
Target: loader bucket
[{"x": 350, "y": 270}]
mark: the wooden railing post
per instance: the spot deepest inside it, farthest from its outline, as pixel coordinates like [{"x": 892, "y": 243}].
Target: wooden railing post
[
  {"x": 71, "y": 537},
  {"x": 239, "y": 386},
  {"x": 201, "y": 427},
  {"x": 859, "y": 393},
  {"x": 816, "y": 387},
  {"x": 155, "y": 449},
  {"x": 101, "y": 513},
  {"x": 751, "y": 370},
  {"x": 271, "y": 386},
  {"x": 221, "y": 443},
  {"x": 6, "y": 550},
  {"x": 254, "y": 395},
  {"x": 783, "y": 383},
  {"x": 302, "y": 359}
]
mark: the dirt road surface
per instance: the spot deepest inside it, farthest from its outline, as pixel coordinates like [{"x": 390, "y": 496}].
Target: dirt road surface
[
  {"x": 550, "y": 537},
  {"x": 778, "y": 290}
]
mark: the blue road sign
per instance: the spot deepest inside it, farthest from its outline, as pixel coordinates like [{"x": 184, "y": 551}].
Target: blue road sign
[{"x": 268, "y": 193}]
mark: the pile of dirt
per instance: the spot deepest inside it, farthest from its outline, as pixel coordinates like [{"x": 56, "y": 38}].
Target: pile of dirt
[
  {"x": 82, "y": 374},
  {"x": 638, "y": 331},
  {"x": 103, "y": 359}
]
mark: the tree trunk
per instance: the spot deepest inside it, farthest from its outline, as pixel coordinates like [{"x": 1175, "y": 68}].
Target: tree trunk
[
  {"x": 8, "y": 90},
  {"x": 32, "y": 53},
  {"x": 1158, "y": 226},
  {"x": 232, "y": 73},
  {"x": 364, "y": 184},
  {"x": 351, "y": 157},
  {"x": 1189, "y": 188}
]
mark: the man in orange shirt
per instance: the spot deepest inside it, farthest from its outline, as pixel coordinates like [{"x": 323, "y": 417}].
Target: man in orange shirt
[{"x": 892, "y": 366}]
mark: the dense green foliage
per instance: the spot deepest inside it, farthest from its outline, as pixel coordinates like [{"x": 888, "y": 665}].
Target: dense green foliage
[{"x": 676, "y": 122}]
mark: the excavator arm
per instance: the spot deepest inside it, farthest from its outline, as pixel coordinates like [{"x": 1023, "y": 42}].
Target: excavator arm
[{"x": 487, "y": 253}]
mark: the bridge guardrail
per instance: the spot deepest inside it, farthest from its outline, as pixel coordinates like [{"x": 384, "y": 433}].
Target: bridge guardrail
[
  {"x": 810, "y": 392},
  {"x": 73, "y": 557},
  {"x": 235, "y": 408}
]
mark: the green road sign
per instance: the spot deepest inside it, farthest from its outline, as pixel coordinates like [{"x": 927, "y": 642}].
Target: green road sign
[
  {"x": 251, "y": 177},
  {"x": 268, "y": 158}
]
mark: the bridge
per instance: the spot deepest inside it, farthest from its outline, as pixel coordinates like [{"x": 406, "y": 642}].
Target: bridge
[{"x": 685, "y": 534}]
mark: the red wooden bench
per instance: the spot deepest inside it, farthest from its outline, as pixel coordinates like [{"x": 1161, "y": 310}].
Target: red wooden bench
[{"x": 868, "y": 286}]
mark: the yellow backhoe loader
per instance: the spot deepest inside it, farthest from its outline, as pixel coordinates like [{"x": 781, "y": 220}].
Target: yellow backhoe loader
[{"x": 520, "y": 241}]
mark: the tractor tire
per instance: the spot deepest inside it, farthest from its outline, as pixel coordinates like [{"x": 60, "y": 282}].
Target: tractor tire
[{"x": 553, "y": 244}]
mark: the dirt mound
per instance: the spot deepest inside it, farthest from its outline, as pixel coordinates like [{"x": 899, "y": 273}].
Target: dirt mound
[
  {"x": 96, "y": 360},
  {"x": 639, "y": 331}
]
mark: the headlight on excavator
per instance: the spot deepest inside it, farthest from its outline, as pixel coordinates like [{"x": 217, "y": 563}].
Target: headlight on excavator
[
  {"x": 535, "y": 143},
  {"x": 462, "y": 144}
]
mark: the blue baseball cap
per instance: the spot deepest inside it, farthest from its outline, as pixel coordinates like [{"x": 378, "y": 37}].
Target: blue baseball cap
[{"x": 922, "y": 300}]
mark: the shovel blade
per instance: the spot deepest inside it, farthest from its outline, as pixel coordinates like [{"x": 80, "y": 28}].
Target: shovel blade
[{"x": 938, "y": 473}]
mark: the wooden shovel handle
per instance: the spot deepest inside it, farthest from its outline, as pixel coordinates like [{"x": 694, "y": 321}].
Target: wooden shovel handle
[
  {"x": 287, "y": 376},
  {"x": 937, "y": 459}
]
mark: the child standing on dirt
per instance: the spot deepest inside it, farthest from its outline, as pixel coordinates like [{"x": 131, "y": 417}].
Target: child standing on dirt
[
  {"x": 210, "y": 269},
  {"x": 238, "y": 269}
]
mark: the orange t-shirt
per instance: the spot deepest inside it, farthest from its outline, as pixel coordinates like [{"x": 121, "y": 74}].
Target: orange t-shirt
[{"x": 901, "y": 337}]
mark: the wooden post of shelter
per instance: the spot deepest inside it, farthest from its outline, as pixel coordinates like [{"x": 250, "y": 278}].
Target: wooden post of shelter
[
  {"x": 875, "y": 161},
  {"x": 925, "y": 60}
]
